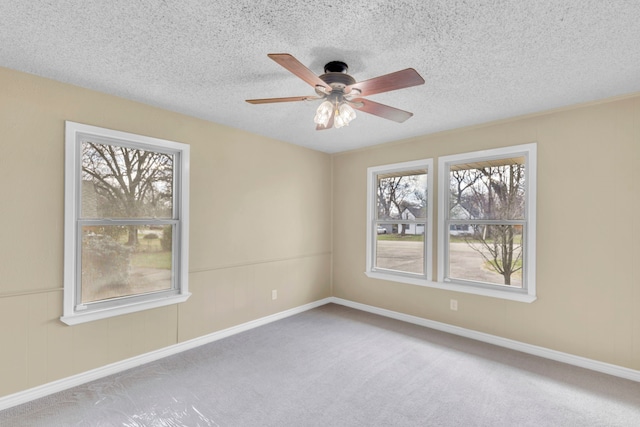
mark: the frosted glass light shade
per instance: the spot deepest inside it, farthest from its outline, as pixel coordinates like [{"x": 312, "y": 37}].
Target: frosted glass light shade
[
  {"x": 323, "y": 113},
  {"x": 344, "y": 115}
]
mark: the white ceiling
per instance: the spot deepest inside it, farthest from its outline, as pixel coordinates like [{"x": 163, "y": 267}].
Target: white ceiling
[{"x": 481, "y": 60}]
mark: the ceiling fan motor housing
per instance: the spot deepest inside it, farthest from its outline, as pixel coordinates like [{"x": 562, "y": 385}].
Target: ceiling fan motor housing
[{"x": 336, "y": 76}]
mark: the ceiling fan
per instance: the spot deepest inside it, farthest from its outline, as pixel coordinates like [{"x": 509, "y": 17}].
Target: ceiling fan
[{"x": 341, "y": 93}]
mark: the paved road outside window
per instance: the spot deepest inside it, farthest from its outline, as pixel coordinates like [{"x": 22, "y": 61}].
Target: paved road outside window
[{"x": 465, "y": 261}]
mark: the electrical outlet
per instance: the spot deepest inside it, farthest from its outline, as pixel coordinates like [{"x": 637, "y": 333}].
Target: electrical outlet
[
  {"x": 274, "y": 294},
  {"x": 453, "y": 304}
]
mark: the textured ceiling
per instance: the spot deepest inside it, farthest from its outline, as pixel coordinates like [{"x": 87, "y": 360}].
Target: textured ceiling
[{"x": 481, "y": 60}]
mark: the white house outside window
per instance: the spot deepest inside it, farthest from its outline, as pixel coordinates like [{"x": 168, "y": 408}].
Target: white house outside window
[
  {"x": 487, "y": 222},
  {"x": 126, "y": 223},
  {"x": 399, "y": 222}
]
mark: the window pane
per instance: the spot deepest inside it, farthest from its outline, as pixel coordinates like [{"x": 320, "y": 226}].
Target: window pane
[
  {"x": 490, "y": 190},
  {"x": 402, "y": 196},
  {"x": 120, "y": 261},
  {"x": 121, "y": 182},
  {"x": 401, "y": 252},
  {"x": 486, "y": 253}
]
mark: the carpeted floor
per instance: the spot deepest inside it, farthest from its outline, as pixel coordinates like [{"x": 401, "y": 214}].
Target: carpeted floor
[{"x": 336, "y": 366}]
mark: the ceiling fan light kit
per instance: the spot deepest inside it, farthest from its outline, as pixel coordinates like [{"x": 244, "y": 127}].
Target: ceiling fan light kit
[{"x": 341, "y": 93}]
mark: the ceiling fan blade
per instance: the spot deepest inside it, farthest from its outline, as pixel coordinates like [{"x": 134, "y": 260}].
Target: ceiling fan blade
[
  {"x": 393, "y": 81},
  {"x": 289, "y": 99},
  {"x": 381, "y": 110},
  {"x": 297, "y": 68}
]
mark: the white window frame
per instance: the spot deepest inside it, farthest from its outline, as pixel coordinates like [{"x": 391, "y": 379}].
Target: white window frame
[
  {"x": 528, "y": 291},
  {"x": 392, "y": 275},
  {"x": 73, "y": 311}
]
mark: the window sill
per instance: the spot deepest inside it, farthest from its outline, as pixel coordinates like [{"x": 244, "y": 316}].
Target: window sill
[
  {"x": 456, "y": 287},
  {"x": 89, "y": 316},
  {"x": 397, "y": 278}
]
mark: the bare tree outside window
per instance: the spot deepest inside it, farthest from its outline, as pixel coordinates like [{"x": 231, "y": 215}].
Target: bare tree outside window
[
  {"x": 487, "y": 213},
  {"x": 130, "y": 185}
]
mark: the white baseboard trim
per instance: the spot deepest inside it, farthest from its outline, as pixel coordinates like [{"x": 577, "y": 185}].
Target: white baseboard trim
[
  {"x": 583, "y": 362},
  {"x": 113, "y": 368}
]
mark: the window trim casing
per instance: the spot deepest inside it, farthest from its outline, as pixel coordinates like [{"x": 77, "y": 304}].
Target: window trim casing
[
  {"x": 528, "y": 292},
  {"x": 397, "y": 276},
  {"x": 73, "y": 133}
]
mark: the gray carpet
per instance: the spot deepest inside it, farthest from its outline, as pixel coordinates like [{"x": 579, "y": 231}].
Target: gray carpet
[{"x": 335, "y": 366}]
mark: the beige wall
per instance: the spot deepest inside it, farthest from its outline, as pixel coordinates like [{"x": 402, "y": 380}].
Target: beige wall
[
  {"x": 588, "y": 235},
  {"x": 273, "y": 231},
  {"x": 260, "y": 220}
]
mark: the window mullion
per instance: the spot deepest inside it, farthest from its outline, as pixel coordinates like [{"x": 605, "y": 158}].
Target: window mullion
[
  {"x": 127, "y": 221},
  {"x": 488, "y": 221}
]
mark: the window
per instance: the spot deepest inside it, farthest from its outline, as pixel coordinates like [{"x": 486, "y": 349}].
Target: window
[
  {"x": 486, "y": 222},
  {"x": 126, "y": 223},
  {"x": 399, "y": 222}
]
